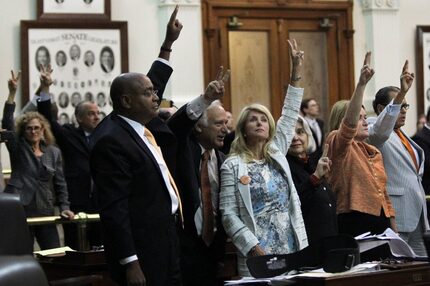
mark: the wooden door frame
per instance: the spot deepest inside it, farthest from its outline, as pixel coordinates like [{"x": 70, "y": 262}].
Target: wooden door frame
[{"x": 341, "y": 12}]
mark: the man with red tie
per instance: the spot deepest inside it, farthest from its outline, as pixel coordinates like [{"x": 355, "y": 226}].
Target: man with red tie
[{"x": 200, "y": 132}]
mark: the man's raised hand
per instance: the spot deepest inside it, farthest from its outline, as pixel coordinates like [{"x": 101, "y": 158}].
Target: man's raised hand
[
  {"x": 216, "y": 88},
  {"x": 174, "y": 27},
  {"x": 406, "y": 78}
]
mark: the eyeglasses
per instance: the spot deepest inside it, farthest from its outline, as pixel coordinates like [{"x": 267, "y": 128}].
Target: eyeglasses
[
  {"x": 405, "y": 106},
  {"x": 33, "y": 128},
  {"x": 150, "y": 92}
]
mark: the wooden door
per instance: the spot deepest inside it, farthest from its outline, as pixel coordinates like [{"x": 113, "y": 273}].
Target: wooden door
[
  {"x": 251, "y": 55},
  {"x": 250, "y": 38}
]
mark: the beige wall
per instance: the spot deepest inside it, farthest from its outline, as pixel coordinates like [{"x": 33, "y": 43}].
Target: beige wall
[{"x": 411, "y": 13}]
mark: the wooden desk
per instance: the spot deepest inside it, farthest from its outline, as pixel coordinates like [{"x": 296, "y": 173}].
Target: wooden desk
[
  {"x": 412, "y": 274},
  {"x": 76, "y": 264}
]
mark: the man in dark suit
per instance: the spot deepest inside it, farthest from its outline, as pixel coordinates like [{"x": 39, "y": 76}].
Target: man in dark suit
[
  {"x": 73, "y": 142},
  {"x": 203, "y": 238},
  {"x": 138, "y": 200},
  {"x": 422, "y": 138},
  {"x": 310, "y": 109}
]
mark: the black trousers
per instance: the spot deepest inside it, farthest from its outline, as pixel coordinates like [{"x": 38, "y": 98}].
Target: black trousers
[
  {"x": 158, "y": 254},
  {"x": 355, "y": 223},
  {"x": 200, "y": 264},
  {"x": 46, "y": 236}
]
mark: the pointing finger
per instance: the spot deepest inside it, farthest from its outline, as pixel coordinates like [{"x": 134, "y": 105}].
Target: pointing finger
[
  {"x": 405, "y": 67},
  {"x": 367, "y": 58},
  {"x": 174, "y": 13},
  {"x": 325, "y": 151}
]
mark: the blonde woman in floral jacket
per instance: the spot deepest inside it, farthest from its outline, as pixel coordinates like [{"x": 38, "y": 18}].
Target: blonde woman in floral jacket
[{"x": 259, "y": 204}]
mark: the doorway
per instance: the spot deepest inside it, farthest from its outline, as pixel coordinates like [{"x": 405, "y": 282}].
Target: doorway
[{"x": 250, "y": 38}]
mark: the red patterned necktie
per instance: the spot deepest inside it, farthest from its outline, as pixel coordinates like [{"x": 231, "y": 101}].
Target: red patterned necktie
[{"x": 208, "y": 214}]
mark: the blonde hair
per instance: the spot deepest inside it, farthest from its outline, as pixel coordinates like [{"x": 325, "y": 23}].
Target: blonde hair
[
  {"x": 337, "y": 114},
  {"x": 239, "y": 145},
  {"x": 22, "y": 122}
]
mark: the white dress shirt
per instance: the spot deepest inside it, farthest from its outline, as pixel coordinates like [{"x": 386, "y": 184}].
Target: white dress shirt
[{"x": 313, "y": 123}]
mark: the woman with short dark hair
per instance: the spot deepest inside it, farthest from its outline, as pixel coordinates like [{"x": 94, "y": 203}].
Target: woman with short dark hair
[{"x": 318, "y": 203}]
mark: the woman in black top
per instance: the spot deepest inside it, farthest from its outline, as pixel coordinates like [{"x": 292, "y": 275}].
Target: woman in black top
[{"x": 318, "y": 203}]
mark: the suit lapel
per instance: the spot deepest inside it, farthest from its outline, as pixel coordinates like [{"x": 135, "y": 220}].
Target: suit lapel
[
  {"x": 138, "y": 140},
  {"x": 244, "y": 188},
  {"x": 419, "y": 150},
  {"x": 403, "y": 152}
]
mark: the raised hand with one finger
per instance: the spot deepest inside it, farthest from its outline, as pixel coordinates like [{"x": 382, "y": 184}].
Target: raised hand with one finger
[
  {"x": 174, "y": 27},
  {"x": 406, "y": 78},
  {"x": 366, "y": 72},
  {"x": 324, "y": 163}
]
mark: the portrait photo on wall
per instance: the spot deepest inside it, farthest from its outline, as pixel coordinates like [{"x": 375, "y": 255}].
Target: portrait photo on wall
[
  {"x": 423, "y": 68},
  {"x": 64, "y": 10},
  {"x": 84, "y": 62}
]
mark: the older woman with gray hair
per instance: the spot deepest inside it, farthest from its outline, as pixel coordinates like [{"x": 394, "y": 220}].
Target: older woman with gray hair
[
  {"x": 259, "y": 204},
  {"x": 318, "y": 202}
]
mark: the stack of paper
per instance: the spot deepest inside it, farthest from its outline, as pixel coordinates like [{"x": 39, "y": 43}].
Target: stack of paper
[
  {"x": 60, "y": 251},
  {"x": 398, "y": 247}
]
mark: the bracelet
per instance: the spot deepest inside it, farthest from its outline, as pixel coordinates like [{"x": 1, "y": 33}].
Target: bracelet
[
  {"x": 295, "y": 78},
  {"x": 252, "y": 251},
  {"x": 165, "y": 49}
]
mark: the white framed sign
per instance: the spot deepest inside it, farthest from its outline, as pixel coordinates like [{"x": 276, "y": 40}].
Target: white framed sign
[
  {"x": 84, "y": 59},
  {"x": 423, "y": 68},
  {"x": 67, "y": 9}
]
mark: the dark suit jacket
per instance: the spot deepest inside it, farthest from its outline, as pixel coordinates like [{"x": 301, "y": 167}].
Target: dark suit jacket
[
  {"x": 135, "y": 206},
  {"x": 188, "y": 165},
  {"x": 38, "y": 181},
  {"x": 163, "y": 135},
  {"x": 318, "y": 204},
  {"x": 187, "y": 178},
  {"x": 76, "y": 153},
  {"x": 422, "y": 138},
  {"x": 315, "y": 156}
]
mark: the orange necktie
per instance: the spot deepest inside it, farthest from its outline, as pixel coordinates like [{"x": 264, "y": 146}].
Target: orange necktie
[
  {"x": 208, "y": 214},
  {"x": 408, "y": 147},
  {"x": 151, "y": 140}
]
